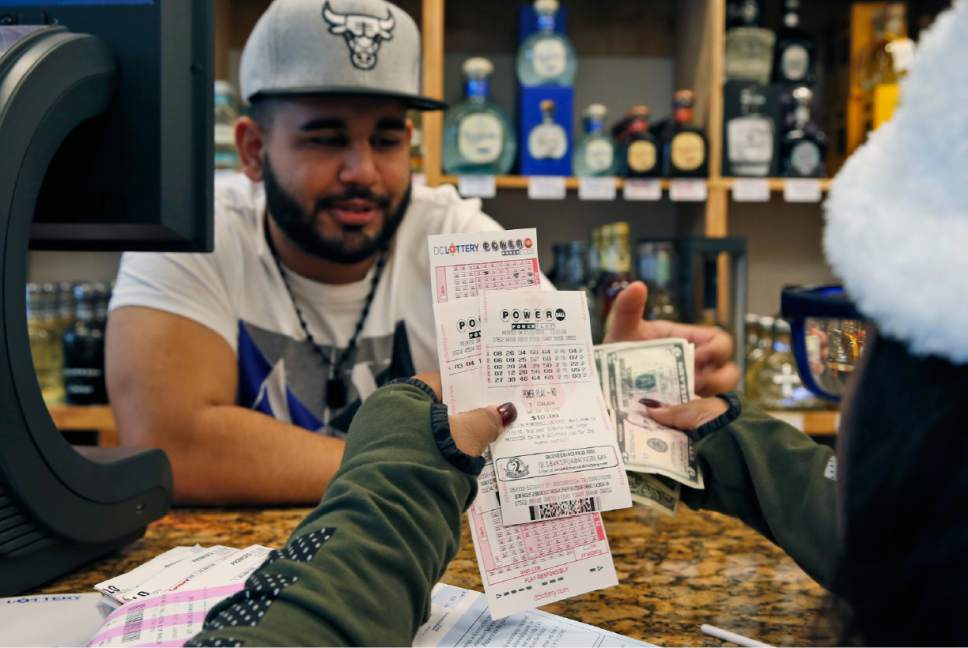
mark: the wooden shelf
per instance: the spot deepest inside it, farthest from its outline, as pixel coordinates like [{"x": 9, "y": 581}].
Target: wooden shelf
[
  {"x": 88, "y": 417},
  {"x": 776, "y": 184},
  {"x": 521, "y": 182},
  {"x": 813, "y": 423}
]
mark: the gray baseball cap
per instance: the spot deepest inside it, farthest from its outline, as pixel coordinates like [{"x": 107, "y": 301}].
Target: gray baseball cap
[{"x": 334, "y": 47}]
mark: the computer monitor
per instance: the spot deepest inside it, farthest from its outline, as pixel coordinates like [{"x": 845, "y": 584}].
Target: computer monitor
[{"x": 105, "y": 143}]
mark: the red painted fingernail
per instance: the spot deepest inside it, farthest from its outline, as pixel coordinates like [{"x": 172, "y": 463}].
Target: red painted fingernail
[
  {"x": 508, "y": 413},
  {"x": 649, "y": 402}
]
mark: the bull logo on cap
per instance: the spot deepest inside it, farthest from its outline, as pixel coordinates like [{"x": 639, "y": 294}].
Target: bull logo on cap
[{"x": 363, "y": 34}]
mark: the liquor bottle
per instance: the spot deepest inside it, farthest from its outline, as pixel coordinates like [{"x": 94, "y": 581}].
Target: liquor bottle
[
  {"x": 884, "y": 65},
  {"x": 546, "y": 57},
  {"x": 709, "y": 315},
  {"x": 226, "y": 114},
  {"x": 795, "y": 55},
  {"x": 684, "y": 146},
  {"x": 777, "y": 384},
  {"x": 655, "y": 268},
  {"x": 595, "y": 152},
  {"x": 478, "y": 136},
  {"x": 618, "y": 273},
  {"x": 751, "y": 322},
  {"x": 592, "y": 278},
  {"x": 416, "y": 142},
  {"x": 804, "y": 145},
  {"x": 45, "y": 348},
  {"x": 750, "y": 138},
  {"x": 749, "y": 46},
  {"x": 547, "y": 140},
  {"x": 756, "y": 357},
  {"x": 570, "y": 265},
  {"x": 84, "y": 351},
  {"x": 640, "y": 157}
]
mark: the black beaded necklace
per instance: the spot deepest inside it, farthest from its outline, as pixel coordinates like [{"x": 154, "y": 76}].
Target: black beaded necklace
[{"x": 336, "y": 393}]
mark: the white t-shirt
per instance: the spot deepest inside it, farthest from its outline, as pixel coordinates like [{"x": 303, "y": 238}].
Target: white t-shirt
[{"x": 237, "y": 292}]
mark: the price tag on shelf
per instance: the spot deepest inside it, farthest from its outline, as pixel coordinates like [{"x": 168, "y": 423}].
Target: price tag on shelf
[
  {"x": 596, "y": 188},
  {"x": 687, "y": 190},
  {"x": 419, "y": 179},
  {"x": 642, "y": 189},
  {"x": 751, "y": 190},
  {"x": 477, "y": 186},
  {"x": 546, "y": 187},
  {"x": 801, "y": 190}
]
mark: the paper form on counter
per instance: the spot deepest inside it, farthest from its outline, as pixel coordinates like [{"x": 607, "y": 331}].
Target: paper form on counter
[
  {"x": 51, "y": 619},
  {"x": 165, "y": 619},
  {"x": 561, "y": 457},
  {"x": 525, "y": 565},
  {"x": 116, "y": 587},
  {"x": 458, "y": 617}
]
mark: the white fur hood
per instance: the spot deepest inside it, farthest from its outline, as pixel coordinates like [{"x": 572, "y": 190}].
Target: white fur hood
[{"x": 897, "y": 215}]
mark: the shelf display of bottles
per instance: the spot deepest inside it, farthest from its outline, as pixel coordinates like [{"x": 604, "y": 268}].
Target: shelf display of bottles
[
  {"x": 546, "y": 57},
  {"x": 65, "y": 325},
  {"x": 595, "y": 151},
  {"x": 684, "y": 145},
  {"x": 804, "y": 146},
  {"x": 771, "y": 380},
  {"x": 656, "y": 261},
  {"x": 478, "y": 135},
  {"x": 749, "y": 45}
]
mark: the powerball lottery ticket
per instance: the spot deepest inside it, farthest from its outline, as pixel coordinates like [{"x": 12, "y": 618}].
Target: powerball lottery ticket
[
  {"x": 526, "y": 565},
  {"x": 560, "y": 458}
]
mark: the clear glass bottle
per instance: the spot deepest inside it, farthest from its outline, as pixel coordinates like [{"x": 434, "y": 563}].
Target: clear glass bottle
[
  {"x": 640, "y": 149},
  {"x": 684, "y": 146},
  {"x": 751, "y": 322},
  {"x": 595, "y": 152},
  {"x": 548, "y": 140},
  {"x": 84, "y": 351},
  {"x": 45, "y": 348},
  {"x": 226, "y": 114},
  {"x": 804, "y": 146},
  {"x": 749, "y": 46},
  {"x": 478, "y": 136},
  {"x": 795, "y": 54},
  {"x": 618, "y": 273},
  {"x": 656, "y": 263},
  {"x": 546, "y": 57},
  {"x": 750, "y": 138},
  {"x": 777, "y": 383}
]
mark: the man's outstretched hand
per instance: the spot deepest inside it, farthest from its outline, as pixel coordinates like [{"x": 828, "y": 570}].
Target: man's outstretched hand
[{"x": 715, "y": 372}]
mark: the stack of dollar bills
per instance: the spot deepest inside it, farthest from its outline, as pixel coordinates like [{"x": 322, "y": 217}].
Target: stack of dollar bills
[{"x": 658, "y": 458}]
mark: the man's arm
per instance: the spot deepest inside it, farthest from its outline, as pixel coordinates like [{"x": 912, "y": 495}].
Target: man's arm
[{"x": 172, "y": 384}]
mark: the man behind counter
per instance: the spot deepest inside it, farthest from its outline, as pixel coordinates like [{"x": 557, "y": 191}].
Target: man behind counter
[{"x": 318, "y": 289}]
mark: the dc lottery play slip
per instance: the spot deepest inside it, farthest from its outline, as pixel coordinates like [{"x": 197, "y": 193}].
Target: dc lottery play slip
[{"x": 503, "y": 335}]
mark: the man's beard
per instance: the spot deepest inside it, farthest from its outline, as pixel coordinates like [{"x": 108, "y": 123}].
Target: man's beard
[{"x": 300, "y": 227}]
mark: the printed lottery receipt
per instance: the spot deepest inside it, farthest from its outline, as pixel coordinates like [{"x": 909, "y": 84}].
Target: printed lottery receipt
[
  {"x": 525, "y": 565},
  {"x": 560, "y": 457}
]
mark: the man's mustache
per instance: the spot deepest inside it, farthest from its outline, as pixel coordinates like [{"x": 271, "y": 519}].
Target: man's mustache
[{"x": 328, "y": 202}]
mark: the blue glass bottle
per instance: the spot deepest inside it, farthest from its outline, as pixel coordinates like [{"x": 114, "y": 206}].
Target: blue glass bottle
[
  {"x": 595, "y": 152},
  {"x": 478, "y": 136},
  {"x": 545, "y": 57}
]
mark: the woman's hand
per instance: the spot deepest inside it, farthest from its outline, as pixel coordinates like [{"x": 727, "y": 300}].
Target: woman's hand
[
  {"x": 689, "y": 417},
  {"x": 473, "y": 431}
]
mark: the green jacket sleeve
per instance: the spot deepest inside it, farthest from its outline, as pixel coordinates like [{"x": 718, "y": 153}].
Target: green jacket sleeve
[
  {"x": 774, "y": 478},
  {"x": 359, "y": 569}
]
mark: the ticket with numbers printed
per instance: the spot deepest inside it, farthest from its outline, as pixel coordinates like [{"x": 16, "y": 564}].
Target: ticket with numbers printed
[
  {"x": 526, "y": 565},
  {"x": 560, "y": 457}
]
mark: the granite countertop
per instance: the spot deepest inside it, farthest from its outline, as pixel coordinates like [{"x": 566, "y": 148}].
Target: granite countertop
[{"x": 674, "y": 573}]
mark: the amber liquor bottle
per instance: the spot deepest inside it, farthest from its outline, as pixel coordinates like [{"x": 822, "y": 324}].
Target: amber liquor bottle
[{"x": 685, "y": 149}]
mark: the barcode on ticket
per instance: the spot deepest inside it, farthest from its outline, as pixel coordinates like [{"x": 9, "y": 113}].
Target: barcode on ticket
[
  {"x": 132, "y": 624},
  {"x": 564, "y": 509}
]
